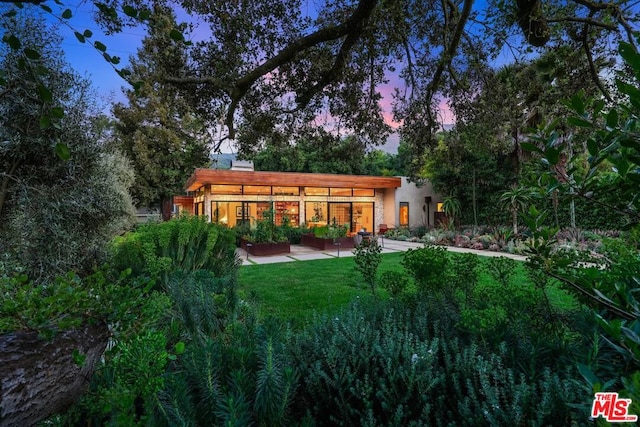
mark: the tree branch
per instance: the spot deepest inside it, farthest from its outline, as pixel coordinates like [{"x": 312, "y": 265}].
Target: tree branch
[
  {"x": 588, "y": 21},
  {"x": 592, "y": 67}
]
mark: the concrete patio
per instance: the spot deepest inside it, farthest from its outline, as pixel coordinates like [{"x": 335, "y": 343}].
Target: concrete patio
[{"x": 305, "y": 253}]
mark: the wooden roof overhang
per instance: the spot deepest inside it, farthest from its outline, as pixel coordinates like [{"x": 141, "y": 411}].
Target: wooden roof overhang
[{"x": 287, "y": 179}]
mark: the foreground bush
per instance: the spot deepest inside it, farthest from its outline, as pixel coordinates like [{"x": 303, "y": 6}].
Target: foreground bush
[{"x": 387, "y": 365}]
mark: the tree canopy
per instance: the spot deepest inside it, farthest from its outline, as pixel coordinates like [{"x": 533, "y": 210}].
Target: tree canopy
[{"x": 267, "y": 67}]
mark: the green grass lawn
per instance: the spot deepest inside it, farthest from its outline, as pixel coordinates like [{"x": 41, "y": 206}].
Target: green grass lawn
[{"x": 295, "y": 290}]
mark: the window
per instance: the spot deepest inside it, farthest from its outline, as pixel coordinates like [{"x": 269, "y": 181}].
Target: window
[
  {"x": 315, "y": 213},
  {"x": 286, "y": 191},
  {"x": 343, "y": 192},
  {"x": 364, "y": 192},
  {"x": 316, "y": 191},
  {"x": 226, "y": 189},
  {"x": 404, "y": 214},
  {"x": 257, "y": 189},
  {"x": 362, "y": 216},
  {"x": 340, "y": 214}
]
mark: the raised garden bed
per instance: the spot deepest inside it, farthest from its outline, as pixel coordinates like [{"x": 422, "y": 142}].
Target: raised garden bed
[
  {"x": 326, "y": 244},
  {"x": 265, "y": 249}
]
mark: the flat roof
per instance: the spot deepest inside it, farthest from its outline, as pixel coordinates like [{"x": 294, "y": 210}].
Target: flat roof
[{"x": 287, "y": 179}]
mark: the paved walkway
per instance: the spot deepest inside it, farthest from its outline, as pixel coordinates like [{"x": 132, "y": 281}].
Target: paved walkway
[{"x": 305, "y": 253}]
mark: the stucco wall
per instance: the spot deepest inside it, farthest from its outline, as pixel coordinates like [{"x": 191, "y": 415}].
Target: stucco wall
[{"x": 414, "y": 195}]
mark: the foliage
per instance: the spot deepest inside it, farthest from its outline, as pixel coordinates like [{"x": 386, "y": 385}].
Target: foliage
[
  {"x": 612, "y": 143},
  {"x": 395, "y": 282},
  {"x": 367, "y": 258},
  {"x": 331, "y": 231},
  {"x": 157, "y": 128},
  {"x": 266, "y": 230},
  {"x": 516, "y": 199},
  {"x": 390, "y": 365},
  {"x": 452, "y": 209},
  {"x": 186, "y": 243},
  {"x": 63, "y": 195},
  {"x": 428, "y": 267},
  {"x": 69, "y": 301}
]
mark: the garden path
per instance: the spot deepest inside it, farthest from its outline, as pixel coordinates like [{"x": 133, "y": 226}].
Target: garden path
[{"x": 305, "y": 253}]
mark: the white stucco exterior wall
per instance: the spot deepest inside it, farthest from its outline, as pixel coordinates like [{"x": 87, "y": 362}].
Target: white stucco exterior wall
[{"x": 414, "y": 195}]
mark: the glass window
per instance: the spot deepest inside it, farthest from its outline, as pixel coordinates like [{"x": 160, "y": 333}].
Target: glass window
[
  {"x": 363, "y": 216},
  {"x": 340, "y": 214},
  {"x": 439, "y": 207},
  {"x": 364, "y": 192},
  {"x": 288, "y": 210},
  {"x": 226, "y": 189},
  {"x": 340, "y": 191},
  {"x": 257, "y": 189},
  {"x": 316, "y": 191},
  {"x": 286, "y": 191},
  {"x": 315, "y": 213},
  {"x": 404, "y": 214}
]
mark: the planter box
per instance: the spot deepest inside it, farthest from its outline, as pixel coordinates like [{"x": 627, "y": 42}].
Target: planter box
[
  {"x": 325, "y": 244},
  {"x": 265, "y": 249}
]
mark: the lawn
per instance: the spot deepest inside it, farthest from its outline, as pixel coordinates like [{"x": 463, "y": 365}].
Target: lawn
[{"x": 295, "y": 290}]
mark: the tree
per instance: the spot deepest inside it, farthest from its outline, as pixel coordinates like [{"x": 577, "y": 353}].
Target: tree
[
  {"x": 158, "y": 130},
  {"x": 516, "y": 200},
  {"x": 271, "y": 67},
  {"x": 610, "y": 285},
  {"x": 63, "y": 195},
  {"x": 466, "y": 163}
]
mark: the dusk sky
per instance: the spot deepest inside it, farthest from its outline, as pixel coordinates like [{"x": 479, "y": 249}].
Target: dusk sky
[{"x": 89, "y": 62}]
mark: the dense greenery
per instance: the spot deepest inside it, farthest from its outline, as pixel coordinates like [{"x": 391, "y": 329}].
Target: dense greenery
[
  {"x": 157, "y": 128},
  {"x": 63, "y": 194}
]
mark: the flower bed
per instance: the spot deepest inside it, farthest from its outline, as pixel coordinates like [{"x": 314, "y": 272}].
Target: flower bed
[
  {"x": 266, "y": 249},
  {"x": 325, "y": 243}
]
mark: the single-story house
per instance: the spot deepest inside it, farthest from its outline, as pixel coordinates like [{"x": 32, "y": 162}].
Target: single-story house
[{"x": 241, "y": 195}]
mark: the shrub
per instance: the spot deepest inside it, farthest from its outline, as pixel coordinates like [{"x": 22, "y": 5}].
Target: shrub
[
  {"x": 394, "y": 282},
  {"x": 368, "y": 257},
  {"x": 186, "y": 243},
  {"x": 428, "y": 266},
  {"x": 388, "y": 365}
]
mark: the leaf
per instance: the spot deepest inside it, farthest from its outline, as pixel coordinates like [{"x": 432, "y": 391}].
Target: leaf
[
  {"x": 115, "y": 60},
  {"x": 31, "y": 53},
  {"x": 612, "y": 119},
  {"x": 577, "y": 104},
  {"x": 57, "y": 112},
  {"x": 552, "y": 155},
  {"x": 527, "y": 146},
  {"x": 67, "y": 14},
  {"x": 79, "y": 36},
  {"x": 87, "y": 33},
  {"x": 10, "y": 14},
  {"x": 628, "y": 89},
  {"x": 130, "y": 10},
  {"x": 46, "y": 8},
  {"x": 179, "y": 347},
  {"x": 100, "y": 46},
  {"x": 630, "y": 56},
  {"x": 144, "y": 15},
  {"x": 44, "y": 93},
  {"x": 62, "y": 151},
  {"x": 588, "y": 375},
  {"x": 592, "y": 146},
  {"x": 12, "y": 41},
  {"x": 176, "y": 35},
  {"x": 577, "y": 121},
  {"x": 45, "y": 122}
]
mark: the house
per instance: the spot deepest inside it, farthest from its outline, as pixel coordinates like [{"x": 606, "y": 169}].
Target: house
[{"x": 241, "y": 195}]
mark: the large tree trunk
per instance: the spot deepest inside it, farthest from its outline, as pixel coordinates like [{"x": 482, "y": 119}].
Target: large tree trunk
[{"x": 39, "y": 377}]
